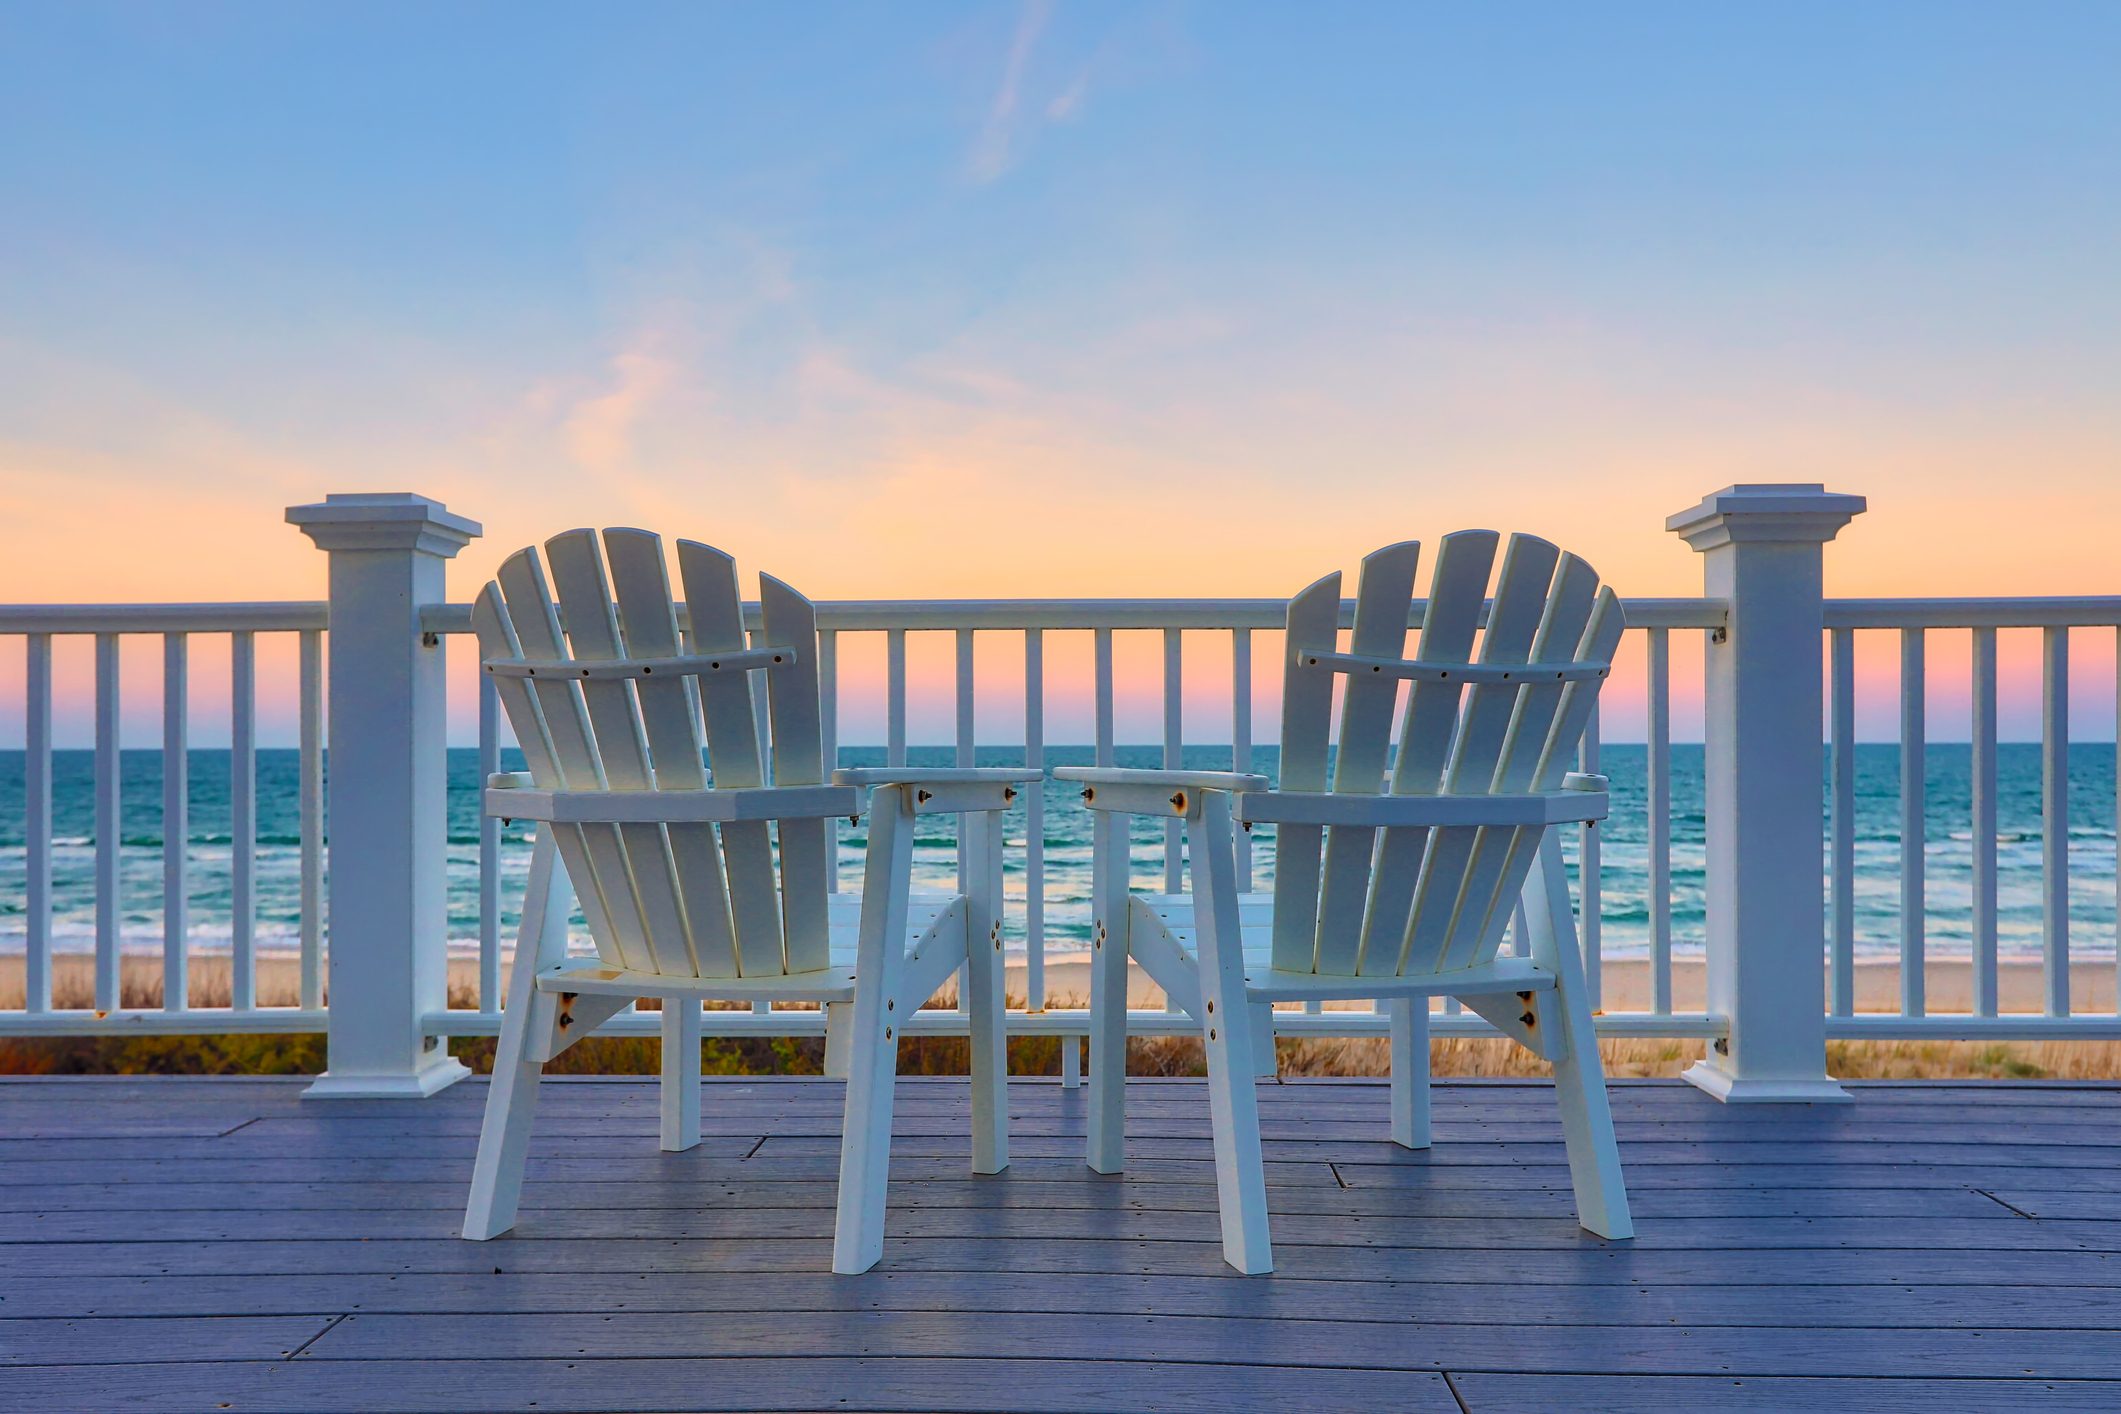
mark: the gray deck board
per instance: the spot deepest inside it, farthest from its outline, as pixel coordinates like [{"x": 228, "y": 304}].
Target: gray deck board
[
  {"x": 766, "y": 1188},
  {"x": 1544, "y": 1394},
  {"x": 1027, "y": 1386},
  {"x": 2004, "y": 1230},
  {"x": 178, "y": 1244},
  {"x": 1449, "y": 1297}
]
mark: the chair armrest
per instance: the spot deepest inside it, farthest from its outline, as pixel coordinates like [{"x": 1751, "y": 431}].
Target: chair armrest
[
  {"x": 1130, "y": 792},
  {"x": 1126, "y": 776},
  {"x": 1552, "y": 807},
  {"x": 946, "y": 790},
  {"x": 672, "y": 807},
  {"x": 936, "y": 775}
]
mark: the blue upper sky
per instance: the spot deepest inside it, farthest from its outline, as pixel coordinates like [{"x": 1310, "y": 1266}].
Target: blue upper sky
[{"x": 807, "y": 265}]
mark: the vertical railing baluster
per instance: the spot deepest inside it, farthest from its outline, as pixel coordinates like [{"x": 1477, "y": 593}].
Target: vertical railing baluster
[
  {"x": 2117, "y": 820},
  {"x": 1983, "y": 752},
  {"x": 1659, "y": 785},
  {"x": 1241, "y": 736},
  {"x": 490, "y": 998},
  {"x": 967, "y": 753},
  {"x": 1101, "y": 673},
  {"x": 895, "y": 697},
  {"x": 1174, "y": 754},
  {"x": 1589, "y": 864},
  {"x": 1035, "y": 824},
  {"x": 176, "y": 801},
  {"x": 1101, "y": 692},
  {"x": 1914, "y": 731},
  {"x": 1174, "y": 760},
  {"x": 242, "y": 820},
  {"x": 1842, "y": 820},
  {"x": 109, "y": 825},
  {"x": 2054, "y": 818},
  {"x": 967, "y": 704},
  {"x": 37, "y": 832},
  {"x": 311, "y": 806},
  {"x": 828, "y": 691}
]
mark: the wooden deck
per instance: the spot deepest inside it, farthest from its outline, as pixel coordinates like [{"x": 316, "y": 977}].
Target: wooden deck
[{"x": 211, "y": 1244}]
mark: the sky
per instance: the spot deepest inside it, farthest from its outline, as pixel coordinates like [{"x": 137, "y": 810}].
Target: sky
[{"x": 1054, "y": 299}]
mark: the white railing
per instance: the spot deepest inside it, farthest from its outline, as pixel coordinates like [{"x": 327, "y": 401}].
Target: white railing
[
  {"x": 1914, "y": 622},
  {"x": 1755, "y": 946},
  {"x": 176, "y": 625}
]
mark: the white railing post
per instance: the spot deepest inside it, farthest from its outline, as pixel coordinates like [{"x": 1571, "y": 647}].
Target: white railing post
[
  {"x": 1762, "y": 548},
  {"x": 387, "y": 792}
]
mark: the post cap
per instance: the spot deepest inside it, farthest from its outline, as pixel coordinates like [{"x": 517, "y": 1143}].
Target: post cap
[
  {"x": 383, "y": 520},
  {"x": 1789, "y": 512}
]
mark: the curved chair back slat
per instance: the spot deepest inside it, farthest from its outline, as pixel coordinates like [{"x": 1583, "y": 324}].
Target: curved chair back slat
[
  {"x": 717, "y": 615},
  {"x": 676, "y": 900},
  {"x": 1358, "y": 899},
  {"x": 671, "y": 716},
  {"x": 1382, "y": 596},
  {"x": 1306, "y": 725}
]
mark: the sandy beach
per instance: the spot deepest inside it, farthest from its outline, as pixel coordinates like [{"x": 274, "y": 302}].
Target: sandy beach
[{"x": 1625, "y": 984}]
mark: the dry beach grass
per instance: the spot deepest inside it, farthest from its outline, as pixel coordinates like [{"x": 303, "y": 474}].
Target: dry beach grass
[{"x": 1625, "y": 989}]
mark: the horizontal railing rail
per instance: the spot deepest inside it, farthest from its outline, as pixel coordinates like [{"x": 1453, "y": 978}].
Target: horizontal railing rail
[
  {"x": 286, "y": 617},
  {"x": 1090, "y": 615},
  {"x": 2087, "y": 611}
]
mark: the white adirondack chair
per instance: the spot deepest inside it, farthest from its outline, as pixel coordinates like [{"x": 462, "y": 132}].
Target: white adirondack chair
[
  {"x": 676, "y": 876},
  {"x": 1420, "y": 872}
]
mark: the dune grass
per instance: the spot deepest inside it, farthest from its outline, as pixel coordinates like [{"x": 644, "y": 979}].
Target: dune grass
[{"x": 301, "y": 1054}]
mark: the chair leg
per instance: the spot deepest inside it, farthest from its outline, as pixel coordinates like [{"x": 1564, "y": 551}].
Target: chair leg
[
  {"x": 1579, "y": 1075},
  {"x": 1233, "y": 1101},
  {"x": 504, "y": 1135},
  {"x": 681, "y": 1073},
  {"x": 985, "y": 1006},
  {"x": 865, "y": 1149},
  {"x": 1410, "y": 1072},
  {"x": 1106, "y": 1113},
  {"x": 872, "y": 1050},
  {"x": 512, "y": 1096}
]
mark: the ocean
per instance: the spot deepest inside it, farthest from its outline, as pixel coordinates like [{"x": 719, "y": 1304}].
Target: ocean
[{"x": 1946, "y": 847}]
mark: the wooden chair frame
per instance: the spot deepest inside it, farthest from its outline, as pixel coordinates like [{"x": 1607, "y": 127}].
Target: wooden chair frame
[
  {"x": 1397, "y": 888},
  {"x": 677, "y": 878}
]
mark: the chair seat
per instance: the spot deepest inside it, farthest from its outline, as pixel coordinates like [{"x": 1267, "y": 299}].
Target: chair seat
[
  {"x": 834, "y": 983},
  {"x": 1265, "y": 982}
]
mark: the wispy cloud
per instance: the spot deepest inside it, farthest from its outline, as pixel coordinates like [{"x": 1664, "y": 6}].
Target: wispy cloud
[
  {"x": 1069, "y": 102},
  {"x": 600, "y": 429},
  {"x": 994, "y": 150}
]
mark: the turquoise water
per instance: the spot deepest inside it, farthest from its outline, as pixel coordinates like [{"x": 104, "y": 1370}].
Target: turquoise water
[{"x": 1946, "y": 847}]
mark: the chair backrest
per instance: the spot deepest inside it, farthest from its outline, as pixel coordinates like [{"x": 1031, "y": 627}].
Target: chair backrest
[
  {"x": 1503, "y": 720},
  {"x": 658, "y": 898}
]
